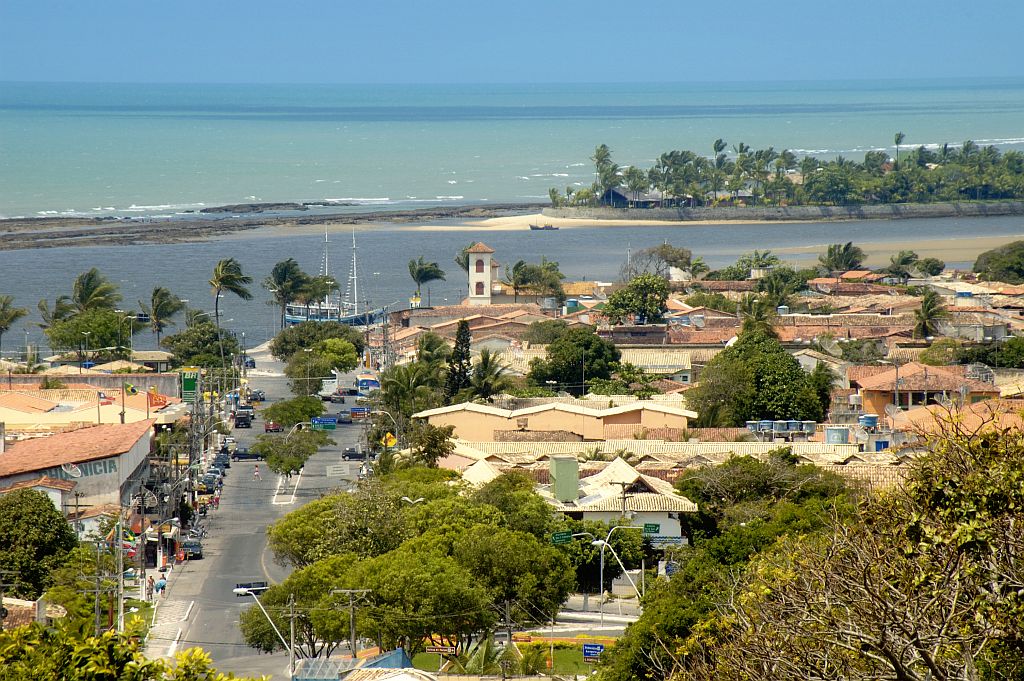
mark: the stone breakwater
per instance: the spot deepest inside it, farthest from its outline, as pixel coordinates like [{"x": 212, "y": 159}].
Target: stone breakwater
[{"x": 896, "y": 211}]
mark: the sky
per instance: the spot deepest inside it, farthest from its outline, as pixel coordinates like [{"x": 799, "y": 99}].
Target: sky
[{"x": 525, "y": 41}]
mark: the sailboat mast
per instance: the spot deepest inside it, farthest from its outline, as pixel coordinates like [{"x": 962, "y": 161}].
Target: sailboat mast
[{"x": 355, "y": 278}]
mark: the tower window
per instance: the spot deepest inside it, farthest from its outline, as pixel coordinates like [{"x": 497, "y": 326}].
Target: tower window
[
  {"x": 480, "y": 265},
  {"x": 479, "y": 288}
]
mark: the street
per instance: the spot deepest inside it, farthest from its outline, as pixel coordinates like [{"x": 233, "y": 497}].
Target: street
[{"x": 200, "y": 609}]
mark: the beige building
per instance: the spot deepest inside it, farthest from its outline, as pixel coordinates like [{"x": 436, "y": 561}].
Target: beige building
[{"x": 484, "y": 423}]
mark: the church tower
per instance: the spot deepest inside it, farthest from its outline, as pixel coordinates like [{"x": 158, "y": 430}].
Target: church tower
[{"x": 480, "y": 274}]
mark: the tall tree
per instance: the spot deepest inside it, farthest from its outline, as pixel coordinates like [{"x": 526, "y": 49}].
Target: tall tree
[
  {"x": 928, "y": 316},
  {"x": 163, "y": 305},
  {"x": 93, "y": 291},
  {"x": 8, "y": 315},
  {"x": 62, "y": 309},
  {"x": 898, "y": 140},
  {"x": 643, "y": 298},
  {"x": 575, "y": 358},
  {"x": 459, "y": 364},
  {"x": 424, "y": 273},
  {"x": 228, "y": 278},
  {"x": 35, "y": 538},
  {"x": 488, "y": 378},
  {"x": 285, "y": 282},
  {"x": 842, "y": 257}
]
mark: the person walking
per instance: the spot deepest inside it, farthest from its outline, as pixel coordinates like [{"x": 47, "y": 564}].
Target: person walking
[
  {"x": 256, "y": 473},
  {"x": 161, "y": 586},
  {"x": 149, "y": 588}
]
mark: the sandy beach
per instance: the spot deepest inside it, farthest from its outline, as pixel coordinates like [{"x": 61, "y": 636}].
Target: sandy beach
[{"x": 958, "y": 249}]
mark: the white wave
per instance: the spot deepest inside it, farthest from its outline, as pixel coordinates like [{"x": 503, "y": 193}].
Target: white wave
[
  {"x": 522, "y": 177},
  {"x": 576, "y": 165},
  {"x": 359, "y": 199},
  {"x": 449, "y": 198},
  {"x": 559, "y": 174},
  {"x": 47, "y": 212},
  {"x": 319, "y": 181},
  {"x": 162, "y": 207},
  {"x": 453, "y": 181}
]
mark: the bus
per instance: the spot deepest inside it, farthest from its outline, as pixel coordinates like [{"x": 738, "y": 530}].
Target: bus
[{"x": 365, "y": 383}]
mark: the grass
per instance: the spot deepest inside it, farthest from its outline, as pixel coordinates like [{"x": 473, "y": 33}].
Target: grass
[{"x": 567, "y": 661}]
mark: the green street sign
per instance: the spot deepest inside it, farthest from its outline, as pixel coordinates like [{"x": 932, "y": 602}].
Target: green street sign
[
  {"x": 563, "y": 537},
  {"x": 652, "y": 528}
]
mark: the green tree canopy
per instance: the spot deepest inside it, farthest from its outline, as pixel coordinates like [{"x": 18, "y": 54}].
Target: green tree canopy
[
  {"x": 307, "y": 334},
  {"x": 8, "y": 315},
  {"x": 93, "y": 334},
  {"x": 200, "y": 345},
  {"x": 296, "y": 410},
  {"x": 545, "y": 332},
  {"x": 35, "y": 538},
  {"x": 1005, "y": 263},
  {"x": 843, "y": 257},
  {"x": 460, "y": 367},
  {"x": 161, "y": 309},
  {"x": 643, "y": 299},
  {"x": 579, "y": 354},
  {"x": 285, "y": 282},
  {"x": 93, "y": 291}
]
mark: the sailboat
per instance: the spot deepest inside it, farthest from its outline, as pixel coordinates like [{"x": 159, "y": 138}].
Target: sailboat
[{"x": 341, "y": 310}]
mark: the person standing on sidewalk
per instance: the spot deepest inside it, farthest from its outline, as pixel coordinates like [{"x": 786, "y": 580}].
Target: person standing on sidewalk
[
  {"x": 256, "y": 473},
  {"x": 149, "y": 588}
]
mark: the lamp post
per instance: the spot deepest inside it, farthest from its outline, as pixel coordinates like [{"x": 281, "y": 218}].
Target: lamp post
[
  {"x": 412, "y": 502},
  {"x": 291, "y": 605},
  {"x": 604, "y": 543},
  {"x": 307, "y": 350},
  {"x": 86, "y": 353},
  {"x": 131, "y": 340}
]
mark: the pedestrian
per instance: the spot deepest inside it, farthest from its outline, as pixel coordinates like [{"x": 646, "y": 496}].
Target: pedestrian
[
  {"x": 216, "y": 501},
  {"x": 256, "y": 473},
  {"x": 149, "y": 588},
  {"x": 161, "y": 586}
]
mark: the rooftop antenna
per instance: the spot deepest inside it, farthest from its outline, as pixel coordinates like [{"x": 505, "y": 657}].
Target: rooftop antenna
[
  {"x": 860, "y": 434},
  {"x": 830, "y": 346}
]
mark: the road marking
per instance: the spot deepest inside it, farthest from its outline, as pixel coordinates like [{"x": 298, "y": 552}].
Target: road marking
[
  {"x": 263, "y": 565},
  {"x": 295, "y": 488},
  {"x": 187, "y": 612},
  {"x": 174, "y": 644}
]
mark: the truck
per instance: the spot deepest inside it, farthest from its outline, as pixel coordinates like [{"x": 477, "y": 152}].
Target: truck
[
  {"x": 328, "y": 387},
  {"x": 243, "y": 421}
]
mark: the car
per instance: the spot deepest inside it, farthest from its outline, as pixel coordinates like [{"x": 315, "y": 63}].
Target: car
[
  {"x": 222, "y": 461},
  {"x": 343, "y": 417},
  {"x": 192, "y": 548},
  {"x": 215, "y": 470},
  {"x": 272, "y": 427},
  {"x": 245, "y": 454},
  {"x": 351, "y": 454},
  {"x": 258, "y": 396},
  {"x": 243, "y": 421},
  {"x": 337, "y": 399}
]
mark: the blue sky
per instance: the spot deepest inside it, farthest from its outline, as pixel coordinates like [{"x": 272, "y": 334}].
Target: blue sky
[{"x": 387, "y": 41}]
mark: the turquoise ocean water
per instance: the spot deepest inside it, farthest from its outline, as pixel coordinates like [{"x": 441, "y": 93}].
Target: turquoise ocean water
[{"x": 101, "y": 149}]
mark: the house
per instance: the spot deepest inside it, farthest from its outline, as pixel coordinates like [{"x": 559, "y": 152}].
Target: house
[
  {"x": 481, "y": 422},
  {"x": 916, "y": 384},
  {"x": 619, "y": 491},
  {"x": 107, "y": 463},
  {"x": 58, "y": 491},
  {"x": 620, "y": 197},
  {"x": 29, "y": 408},
  {"x": 648, "y": 334}
]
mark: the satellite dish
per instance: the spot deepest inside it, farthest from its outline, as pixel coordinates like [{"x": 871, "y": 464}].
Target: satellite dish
[
  {"x": 945, "y": 401},
  {"x": 899, "y": 439},
  {"x": 860, "y": 434},
  {"x": 690, "y": 291},
  {"x": 891, "y": 410},
  {"x": 698, "y": 321},
  {"x": 71, "y": 469},
  {"x": 731, "y": 342},
  {"x": 830, "y": 346}
]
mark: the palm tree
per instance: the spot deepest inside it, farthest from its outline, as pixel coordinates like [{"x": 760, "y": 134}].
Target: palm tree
[
  {"x": 757, "y": 314},
  {"x": 228, "y": 278},
  {"x": 62, "y": 310},
  {"x": 406, "y": 389},
  {"x": 162, "y": 306},
  {"x": 842, "y": 257},
  {"x": 898, "y": 139},
  {"x": 433, "y": 351},
  {"x": 8, "y": 315},
  {"x": 900, "y": 264},
  {"x": 518, "y": 278},
  {"x": 424, "y": 273},
  {"x": 93, "y": 291},
  {"x": 929, "y": 314},
  {"x": 284, "y": 283},
  {"x": 488, "y": 377},
  {"x": 318, "y": 289}
]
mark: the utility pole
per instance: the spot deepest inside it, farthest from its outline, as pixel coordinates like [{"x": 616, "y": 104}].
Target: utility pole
[
  {"x": 354, "y": 596},
  {"x": 508, "y": 620},
  {"x": 291, "y": 637}
]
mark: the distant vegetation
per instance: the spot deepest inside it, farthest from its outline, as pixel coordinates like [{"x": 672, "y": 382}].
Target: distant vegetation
[{"x": 770, "y": 177}]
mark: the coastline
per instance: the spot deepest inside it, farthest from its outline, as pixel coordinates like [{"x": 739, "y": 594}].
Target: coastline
[{"x": 261, "y": 220}]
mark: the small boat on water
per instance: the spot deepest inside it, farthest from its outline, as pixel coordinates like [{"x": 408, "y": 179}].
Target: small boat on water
[{"x": 543, "y": 228}]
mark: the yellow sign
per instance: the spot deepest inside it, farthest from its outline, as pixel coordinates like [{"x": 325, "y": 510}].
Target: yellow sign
[{"x": 389, "y": 440}]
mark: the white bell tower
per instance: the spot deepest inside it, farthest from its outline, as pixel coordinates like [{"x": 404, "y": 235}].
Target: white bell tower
[{"x": 480, "y": 276}]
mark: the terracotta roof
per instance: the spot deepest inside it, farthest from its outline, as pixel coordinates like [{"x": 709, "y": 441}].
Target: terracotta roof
[
  {"x": 86, "y": 444},
  {"x": 121, "y": 365},
  {"x": 480, "y": 247},
  {"x": 41, "y": 481},
  {"x": 711, "y": 285},
  {"x": 995, "y": 413},
  {"x": 916, "y": 376},
  {"x": 26, "y": 403}
]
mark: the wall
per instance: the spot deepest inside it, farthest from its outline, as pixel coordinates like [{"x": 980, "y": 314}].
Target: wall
[
  {"x": 670, "y": 528},
  {"x": 791, "y": 213}
]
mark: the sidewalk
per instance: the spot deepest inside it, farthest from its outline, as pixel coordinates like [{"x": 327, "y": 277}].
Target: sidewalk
[{"x": 168, "y": 615}]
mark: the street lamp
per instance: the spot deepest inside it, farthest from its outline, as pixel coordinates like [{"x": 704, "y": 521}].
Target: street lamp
[
  {"x": 241, "y": 591},
  {"x": 413, "y": 501},
  {"x": 604, "y": 543},
  {"x": 86, "y": 353},
  {"x": 308, "y": 391},
  {"x": 131, "y": 339}
]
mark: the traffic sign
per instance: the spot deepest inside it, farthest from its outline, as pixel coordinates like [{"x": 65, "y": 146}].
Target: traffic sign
[
  {"x": 592, "y": 651},
  {"x": 563, "y": 537},
  {"x": 359, "y": 412},
  {"x": 389, "y": 440},
  {"x": 652, "y": 528},
  {"x": 324, "y": 422},
  {"x": 444, "y": 650}
]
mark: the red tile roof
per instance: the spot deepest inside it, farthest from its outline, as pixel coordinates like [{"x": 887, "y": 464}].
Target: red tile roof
[
  {"x": 916, "y": 376},
  {"x": 480, "y": 247},
  {"x": 41, "y": 481},
  {"x": 86, "y": 444}
]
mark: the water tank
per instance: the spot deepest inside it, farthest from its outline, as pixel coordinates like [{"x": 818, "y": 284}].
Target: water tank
[
  {"x": 810, "y": 427},
  {"x": 782, "y": 309},
  {"x": 837, "y": 435},
  {"x": 868, "y": 420},
  {"x": 752, "y": 426},
  {"x": 781, "y": 426},
  {"x": 794, "y": 426},
  {"x": 855, "y": 400}
]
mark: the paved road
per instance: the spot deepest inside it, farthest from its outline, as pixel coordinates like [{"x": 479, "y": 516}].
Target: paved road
[{"x": 200, "y": 609}]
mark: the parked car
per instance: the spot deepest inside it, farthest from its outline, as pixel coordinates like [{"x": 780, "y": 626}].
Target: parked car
[
  {"x": 337, "y": 399},
  {"x": 222, "y": 461},
  {"x": 243, "y": 421},
  {"x": 272, "y": 427},
  {"x": 258, "y": 395},
  {"x": 351, "y": 454},
  {"x": 250, "y": 363},
  {"x": 343, "y": 417},
  {"x": 193, "y": 549},
  {"x": 245, "y": 454},
  {"x": 215, "y": 470}
]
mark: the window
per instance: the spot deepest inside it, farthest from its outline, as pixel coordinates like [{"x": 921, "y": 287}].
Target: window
[
  {"x": 479, "y": 288},
  {"x": 479, "y": 264}
]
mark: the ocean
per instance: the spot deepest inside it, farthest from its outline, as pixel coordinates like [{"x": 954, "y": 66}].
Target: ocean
[{"x": 160, "y": 150}]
